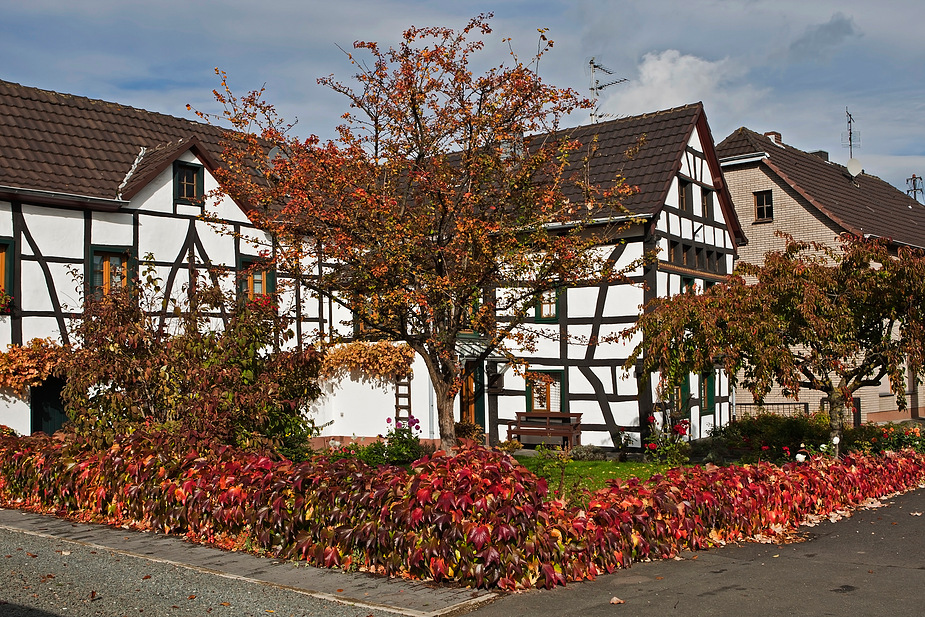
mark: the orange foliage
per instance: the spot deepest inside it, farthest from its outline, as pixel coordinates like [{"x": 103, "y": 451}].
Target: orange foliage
[
  {"x": 381, "y": 361},
  {"x": 29, "y": 365}
]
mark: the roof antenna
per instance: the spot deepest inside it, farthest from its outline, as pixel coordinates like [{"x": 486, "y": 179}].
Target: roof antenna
[
  {"x": 597, "y": 86},
  {"x": 915, "y": 187},
  {"x": 852, "y": 138}
]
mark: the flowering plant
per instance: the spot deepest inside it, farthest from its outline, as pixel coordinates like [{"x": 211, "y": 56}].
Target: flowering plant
[
  {"x": 667, "y": 443},
  {"x": 6, "y": 302}
]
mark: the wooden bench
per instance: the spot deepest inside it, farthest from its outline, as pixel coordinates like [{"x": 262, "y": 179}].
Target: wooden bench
[{"x": 546, "y": 424}]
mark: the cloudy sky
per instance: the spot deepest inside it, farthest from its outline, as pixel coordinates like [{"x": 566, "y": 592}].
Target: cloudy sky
[{"x": 791, "y": 66}]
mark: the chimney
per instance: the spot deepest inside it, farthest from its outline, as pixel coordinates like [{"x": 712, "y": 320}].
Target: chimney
[
  {"x": 821, "y": 154},
  {"x": 774, "y": 136}
]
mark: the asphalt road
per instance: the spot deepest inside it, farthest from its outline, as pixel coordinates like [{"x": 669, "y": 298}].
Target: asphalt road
[{"x": 871, "y": 564}]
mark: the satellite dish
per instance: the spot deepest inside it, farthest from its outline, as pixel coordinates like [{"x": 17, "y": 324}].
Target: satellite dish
[{"x": 854, "y": 167}]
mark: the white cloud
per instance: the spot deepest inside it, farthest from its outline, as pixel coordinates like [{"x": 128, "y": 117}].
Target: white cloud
[{"x": 669, "y": 79}]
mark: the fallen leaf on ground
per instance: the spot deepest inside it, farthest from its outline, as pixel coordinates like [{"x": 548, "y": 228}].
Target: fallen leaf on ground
[
  {"x": 191, "y": 598},
  {"x": 616, "y": 600},
  {"x": 145, "y": 577}
]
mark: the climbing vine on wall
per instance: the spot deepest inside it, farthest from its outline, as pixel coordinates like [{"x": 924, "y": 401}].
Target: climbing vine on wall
[
  {"x": 380, "y": 362},
  {"x": 23, "y": 366}
]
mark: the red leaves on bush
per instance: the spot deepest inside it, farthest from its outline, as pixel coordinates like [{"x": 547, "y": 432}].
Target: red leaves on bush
[{"x": 478, "y": 518}]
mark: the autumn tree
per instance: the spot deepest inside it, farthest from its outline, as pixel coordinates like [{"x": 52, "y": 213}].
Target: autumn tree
[
  {"x": 811, "y": 317},
  {"x": 449, "y": 202}
]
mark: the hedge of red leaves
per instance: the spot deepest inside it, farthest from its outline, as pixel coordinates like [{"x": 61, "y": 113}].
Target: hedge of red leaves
[{"x": 477, "y": 518}]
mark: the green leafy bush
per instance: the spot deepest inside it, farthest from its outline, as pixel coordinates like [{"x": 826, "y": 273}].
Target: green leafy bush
[
  {"x": 143, "y": 363},
  {"x": 771, "y": 437},
  {"x": 588, "y": 453},
  {"x": 400, "y": 446},
  {"x": 885, "y": 437},
  {"x": 668, "y": 445}
]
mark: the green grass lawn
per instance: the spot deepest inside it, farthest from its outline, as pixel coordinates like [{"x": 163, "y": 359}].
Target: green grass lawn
[{"x": 589, "y": 475}]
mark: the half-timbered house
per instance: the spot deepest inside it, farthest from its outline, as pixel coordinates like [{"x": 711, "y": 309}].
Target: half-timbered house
[
  {"x": 94, "y": 188},
  {"x": 88, "y": 189},
  {"x": 686, "y": 218}
]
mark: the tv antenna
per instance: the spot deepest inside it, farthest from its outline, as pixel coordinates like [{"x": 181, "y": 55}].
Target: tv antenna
[
  {"x": 915, "y": 187},
  {"x": 597, "y": 86},
  {"x": 852, "y": 138}
]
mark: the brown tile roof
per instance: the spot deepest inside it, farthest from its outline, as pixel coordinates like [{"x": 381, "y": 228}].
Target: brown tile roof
[
  {"x": 74, "y": 145},
  {"x": 647, "y": 150},
  {"x": 864, "y": 206}
]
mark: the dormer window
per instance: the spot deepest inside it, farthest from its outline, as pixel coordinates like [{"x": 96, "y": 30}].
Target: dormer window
[{"x": 188, "y": 184}]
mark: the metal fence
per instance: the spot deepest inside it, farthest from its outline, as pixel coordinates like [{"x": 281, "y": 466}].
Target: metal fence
[{"x": 747, "y": 410}]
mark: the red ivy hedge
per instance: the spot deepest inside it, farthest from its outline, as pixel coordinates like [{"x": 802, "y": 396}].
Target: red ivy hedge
[{"x": 477, "y": 518}]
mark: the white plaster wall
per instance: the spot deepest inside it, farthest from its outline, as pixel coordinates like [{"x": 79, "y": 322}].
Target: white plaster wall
[
  {"x": 57, "y": 232},
  {"x": 623, "y": 300},
  {"x": 6, "y": 219},
  {"x": 34, "y": 297},
  {"x": 217, "y": 243},
  {"x": 156, "y": 196},
  {"x": 672, "y": 198},
  {"x": 6, "y": 332},
  {"x": 661, "y": 284},
  {"x": 111, "y": 228},
  {"x": 16, "y": 414},
  {"x": 582, "y": 301},
  {"x": 40, "y": 327},
  {"x": 161, "y": 236},
  {"x": 357, "y": 408},
  {"x": 578, "y": 384}
]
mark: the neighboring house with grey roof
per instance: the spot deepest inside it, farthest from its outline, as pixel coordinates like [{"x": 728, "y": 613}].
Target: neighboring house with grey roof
[
  {"x": 94, "y": 186},
  {"x": 776, "y": 187}
]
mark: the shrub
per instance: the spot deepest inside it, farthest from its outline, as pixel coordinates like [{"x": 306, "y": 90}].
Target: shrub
[
  {"x": 134, "y": 366},
  {"x": 885, "y": 437},
  {"x": 668, "y": 444},
  {"x": 400, "y": 446},
  {"x": 510, "y": 446},
  {"x": 470, "y": 430},
  {"x": 588, "y": 453},
  {"x": 477, "y": 518},
  {"x": 772, "y": 437}
]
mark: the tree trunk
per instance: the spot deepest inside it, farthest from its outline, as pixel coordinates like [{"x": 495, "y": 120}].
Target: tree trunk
[
  {"x": 837, "y": 404},
  {"x": 446, "y": 420}
]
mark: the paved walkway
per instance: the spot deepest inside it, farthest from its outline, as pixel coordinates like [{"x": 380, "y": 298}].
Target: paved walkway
[{"x": 399, "y": 596}]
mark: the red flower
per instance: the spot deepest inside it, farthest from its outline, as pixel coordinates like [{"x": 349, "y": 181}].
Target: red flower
[
  {"x": 652, "y": 446},
  {"x": 765, "y": 447},
  {"x": 651, "y": 419}
]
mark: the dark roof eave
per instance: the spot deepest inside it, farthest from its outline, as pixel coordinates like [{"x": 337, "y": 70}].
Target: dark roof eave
[
  {"x": 626, "y": 218},
  {"x": 55, "y": 198}
]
